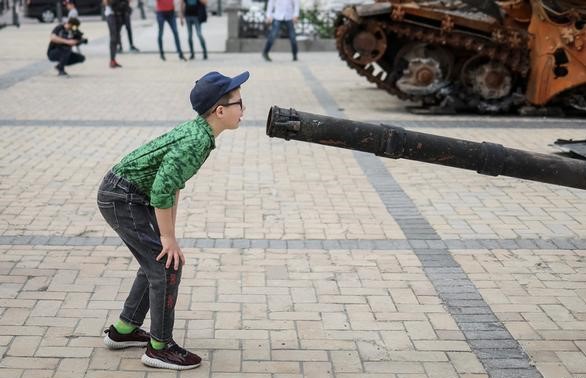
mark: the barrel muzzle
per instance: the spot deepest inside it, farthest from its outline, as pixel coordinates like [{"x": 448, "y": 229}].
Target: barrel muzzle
[{"x": 283, "y": 123}]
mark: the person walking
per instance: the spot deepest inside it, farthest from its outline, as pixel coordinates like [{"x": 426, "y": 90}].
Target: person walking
[
  {"x": 195, "y": 13},
  {"x": 166, "y": 13},
  {"x": 126, "y": 19},
  {"x": 281, "y": 12},
  {"x": 114, "y": 12},
  {"x": 139, "y": 199}
]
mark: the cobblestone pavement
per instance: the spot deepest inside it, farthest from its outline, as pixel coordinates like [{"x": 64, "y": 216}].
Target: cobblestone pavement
[{"x": 303, "y": 260}]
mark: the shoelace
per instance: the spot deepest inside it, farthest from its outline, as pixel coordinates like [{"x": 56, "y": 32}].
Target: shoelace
[{"x": 173, "y": 347}]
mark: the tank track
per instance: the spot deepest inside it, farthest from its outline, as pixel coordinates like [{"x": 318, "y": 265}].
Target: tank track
[{"x": 516, "y": 59}]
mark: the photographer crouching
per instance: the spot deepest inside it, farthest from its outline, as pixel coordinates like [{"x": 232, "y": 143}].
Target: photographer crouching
[{"x": 63, "y": 38}]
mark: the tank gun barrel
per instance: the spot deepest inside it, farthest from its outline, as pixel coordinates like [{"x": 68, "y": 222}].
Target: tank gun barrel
[{"x": 396, "y": 142}]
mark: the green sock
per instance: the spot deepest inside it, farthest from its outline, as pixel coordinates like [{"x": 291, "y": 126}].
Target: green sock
[
  {"x": 123, "y": 327},
  {"x": 158, "y": 345}
]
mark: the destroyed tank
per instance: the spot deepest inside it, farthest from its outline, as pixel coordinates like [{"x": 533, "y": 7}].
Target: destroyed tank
[{"x": 483, "y": 56}]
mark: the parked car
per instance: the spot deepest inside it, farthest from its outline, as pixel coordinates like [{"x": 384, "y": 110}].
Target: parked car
[{"x": 46, "y": 10}]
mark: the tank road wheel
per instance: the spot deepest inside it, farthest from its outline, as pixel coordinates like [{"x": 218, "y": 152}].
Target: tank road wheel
[
  {"x": 422, "y": 69},
  {"x": 490, "y": 80},
  {"x": 489, "y": 84},
  {"x": 365, "y": 45}
]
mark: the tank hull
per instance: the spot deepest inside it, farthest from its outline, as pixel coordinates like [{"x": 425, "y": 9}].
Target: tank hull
[{"x": 471, "y": 59}]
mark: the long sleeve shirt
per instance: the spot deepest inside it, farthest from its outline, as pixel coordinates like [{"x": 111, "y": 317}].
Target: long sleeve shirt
[
  {"x": 162, "y": 166},
  {"x": 283, "y": 10}
]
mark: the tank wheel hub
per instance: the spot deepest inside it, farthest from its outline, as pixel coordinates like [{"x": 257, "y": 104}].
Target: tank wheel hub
[
  {"x": 367, "y": 45},
  {"x": 425, "y": 73},
  {"x": 491, "y": 80},
  {"x": 422, "y": 70},
  {"x": 422, "y": 76}
]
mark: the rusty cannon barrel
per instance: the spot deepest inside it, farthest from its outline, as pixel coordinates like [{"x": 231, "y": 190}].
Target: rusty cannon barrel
[{"x": 395, "y": 142}]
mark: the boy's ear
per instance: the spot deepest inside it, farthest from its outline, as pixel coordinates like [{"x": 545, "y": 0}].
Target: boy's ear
[{"x": 219, "y": 111}]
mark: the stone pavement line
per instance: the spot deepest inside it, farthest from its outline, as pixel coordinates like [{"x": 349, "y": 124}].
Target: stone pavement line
[
  {"x": 500, "y": 354},
  {"x": 13, "y": 77},
  {"x": 415, "y": 242}
]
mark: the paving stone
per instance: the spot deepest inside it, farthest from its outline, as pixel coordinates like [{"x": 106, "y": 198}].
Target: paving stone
[
  {"x": 226, "y": 361},
  {"x": 493, "y": 344},
  {"x": 395, "y": 367},
  {"x": 24, "y": 346},
  {"x": 222, "y": 243},
  {"x": 295, "y": 244},
  {"x": 72, "y": 367},
  {"x": 270, "y": 367},
  {"x": 205, "y": 243},
  {"x": 438, "y": 369},
  {"x": 313, "y": 244},
  {"x": 506, "y": 363},
  {"x": 475, "y": 318},
  {"x": 466, "y": 362},
  {"x": 505, "y": 353},
  {"x": 29, "y": 363},
  {"x": 470, "y": 310},
  {"x": 514, "y": 373},
  {"x": 317, "y": 369},
  {"x": 575, "y": 362},
  {"x": 486, "y": 335},
  {"x": 345, "y": 361}
]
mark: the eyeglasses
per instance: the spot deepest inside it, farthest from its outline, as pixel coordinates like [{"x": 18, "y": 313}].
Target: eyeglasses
[{"x": 239, "y": 102}]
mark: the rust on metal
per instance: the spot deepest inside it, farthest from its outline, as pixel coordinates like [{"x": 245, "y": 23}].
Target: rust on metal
[{"x": 538, "y": 49}]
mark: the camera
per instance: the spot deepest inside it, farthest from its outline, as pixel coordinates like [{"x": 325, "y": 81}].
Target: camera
[{"x": 77, "y": 34}]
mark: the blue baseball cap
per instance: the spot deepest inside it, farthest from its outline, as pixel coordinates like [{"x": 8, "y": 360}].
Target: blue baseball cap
[{"x": 211, "y": 87}]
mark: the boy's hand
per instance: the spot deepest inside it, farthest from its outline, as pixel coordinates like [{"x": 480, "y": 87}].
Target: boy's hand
[{"x": 173, "y": 252}]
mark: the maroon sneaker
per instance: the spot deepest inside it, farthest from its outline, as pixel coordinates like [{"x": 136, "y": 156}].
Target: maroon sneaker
[
  {"x": 171, "y": 357},
  {"x": 116, "y": 340}
]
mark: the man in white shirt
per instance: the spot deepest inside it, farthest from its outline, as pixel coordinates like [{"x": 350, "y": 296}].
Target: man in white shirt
[{"x": 281, "y": 12}]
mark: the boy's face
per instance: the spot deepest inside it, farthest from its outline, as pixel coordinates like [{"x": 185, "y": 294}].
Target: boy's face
[{"x": 233, "y": 111}]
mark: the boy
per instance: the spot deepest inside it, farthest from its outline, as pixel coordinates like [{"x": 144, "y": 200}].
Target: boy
[{"x": 138, "y": 198}]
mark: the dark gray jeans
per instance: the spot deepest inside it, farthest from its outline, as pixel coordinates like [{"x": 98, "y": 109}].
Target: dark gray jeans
[
  {"x": 129, "y": 213},
  {"x": 115, "y": 22}
]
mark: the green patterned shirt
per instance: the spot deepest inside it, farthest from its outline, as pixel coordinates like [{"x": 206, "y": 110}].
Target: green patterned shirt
[{"x": 162, "y": 166}]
